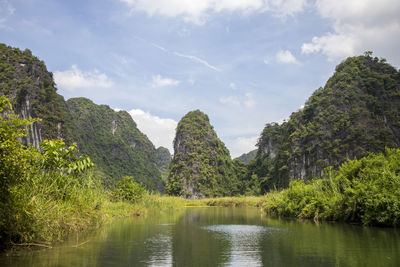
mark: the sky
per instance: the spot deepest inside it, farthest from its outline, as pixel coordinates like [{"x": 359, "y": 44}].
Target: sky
[{"x": 244, "y": 63}]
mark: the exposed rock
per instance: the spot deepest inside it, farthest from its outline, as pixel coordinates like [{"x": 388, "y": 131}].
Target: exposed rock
[
  {"x": 358, "y": 111},
  {"x": 202, "y": 165}
]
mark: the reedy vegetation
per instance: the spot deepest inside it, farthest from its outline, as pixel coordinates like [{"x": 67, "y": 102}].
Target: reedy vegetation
[
  {"x": 49, "y": 193},
  {"x": 363, "y": 191}
]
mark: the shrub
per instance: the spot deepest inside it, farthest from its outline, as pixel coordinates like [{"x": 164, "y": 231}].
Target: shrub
[
  {"x": 128, "y": 190},
  {"x": 364, "y": 191}
]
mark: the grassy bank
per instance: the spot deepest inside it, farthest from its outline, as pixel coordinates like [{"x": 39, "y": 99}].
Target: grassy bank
[
  {"x": 248, "y": 201},
  {"x": 363, "y": 191},
  {"x": 48, "y": 193}
]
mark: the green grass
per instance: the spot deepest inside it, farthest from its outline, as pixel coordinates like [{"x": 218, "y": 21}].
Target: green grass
[
  {"x": 248, "y": 201},
  {"x": 363, "y": 191}
]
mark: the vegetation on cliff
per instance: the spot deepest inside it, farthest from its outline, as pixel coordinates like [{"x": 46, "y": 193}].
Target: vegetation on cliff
[
  {"x": 164, "y": 159},
  {"x": 358, "y": 111},
  {"x": 110, "y": 138},
  {"x": 114, "y": 143},
  {"x": 25, "y": 80},
  {"x": 247, "y": 157},
  {"x": 202, "y": 165}
]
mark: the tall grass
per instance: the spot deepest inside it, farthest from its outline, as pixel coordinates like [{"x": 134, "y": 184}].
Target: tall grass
[
  {"x": 363, "y": 191},
  {"x": 245, "y": 201}
]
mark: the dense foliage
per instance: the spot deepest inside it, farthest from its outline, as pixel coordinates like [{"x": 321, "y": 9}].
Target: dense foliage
[
  {"x": 25, "y": 80},
  {"x": 128, "y": 190},
  {"x": 164, "y": 158},
  {"x": 44, "y": 194},
  {"x": 202, "y": 165},
  {"x": 247, "y": 157},
  {"x": 113, "y": 142},
  {"x": 365, "y": 191},
  {"x": 358, "y": 111}
]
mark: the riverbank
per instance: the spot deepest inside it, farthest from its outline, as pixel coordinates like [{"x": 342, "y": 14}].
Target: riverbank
[
  {"x": 364, "y": 191},
  {"x": 240, "y": 201}
]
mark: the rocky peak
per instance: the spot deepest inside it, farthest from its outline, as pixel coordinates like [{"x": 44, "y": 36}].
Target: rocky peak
[{"x": 202, "y": 165}]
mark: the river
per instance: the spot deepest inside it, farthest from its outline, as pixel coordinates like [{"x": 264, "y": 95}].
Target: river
[{"x": 220, "y": 237}]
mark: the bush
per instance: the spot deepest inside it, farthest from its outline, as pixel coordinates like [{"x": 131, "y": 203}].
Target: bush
[
  {"x": 128, "y": 190},
  {"x": 364, "y": 191},
  {"x": 46, "y": 194}
]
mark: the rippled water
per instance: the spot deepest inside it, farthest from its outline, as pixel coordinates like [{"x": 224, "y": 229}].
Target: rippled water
[{"x": 220, "y": 237}]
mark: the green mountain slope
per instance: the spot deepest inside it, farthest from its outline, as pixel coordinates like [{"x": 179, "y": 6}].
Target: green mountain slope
[
  {"x": 110, "y": 138},
  {"x": 202, "y": 165},
  {"x": 164, "y": 159},
  {"x": 247, "y": 157},
  {"x": 358, "y": 111},
  {"x": 25, "y": 80},
  {"x": 113, "y": 142}
]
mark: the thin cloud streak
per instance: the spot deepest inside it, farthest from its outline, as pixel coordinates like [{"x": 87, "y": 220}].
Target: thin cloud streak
[{"x": 198, "y": 60}]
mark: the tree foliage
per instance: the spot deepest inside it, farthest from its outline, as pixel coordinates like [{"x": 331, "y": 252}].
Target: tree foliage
[
  {"x": 40, "y": 189},
  {"x": 128, "y": 190},
  {"x": 202, "y": 165},
  {"x": 358, "y": 111},
  {"x": 364, "y": 191}
]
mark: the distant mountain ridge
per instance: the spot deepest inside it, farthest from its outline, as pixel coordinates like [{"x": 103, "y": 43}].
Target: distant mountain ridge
[
  {"x": 110, "y": 138},
  {"x": 247, "y": 157}
]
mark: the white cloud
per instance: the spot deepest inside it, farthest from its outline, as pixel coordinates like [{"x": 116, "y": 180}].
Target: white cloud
[
  {"x": 285, "y": 56},
  {"x": 6, "y": 11},
  {"x": 247, "y": 100},
  {"x": 198, "y": 12},
  {"x": 160, "y": 131},
  {"x": 233, "y": 86},
  {"x": 198, "y": 60},
  {"x": 243, "y": 145},
  {"x": 230, "y": 100},
  {"x": 74, "y": 78},
  {"x": 358, "y": 26},
  {"x": 159, "y": 81}
]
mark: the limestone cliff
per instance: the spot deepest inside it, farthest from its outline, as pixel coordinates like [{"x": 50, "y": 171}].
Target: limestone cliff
[
  {"x": 110, "y": 138},
  {"x": 202, "y": 165},
  {"x": 25, "y": 80},
  {"x": 358, "y": 111}
]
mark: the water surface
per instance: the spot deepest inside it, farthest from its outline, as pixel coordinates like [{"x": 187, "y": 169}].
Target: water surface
[{"x": 220, "y": 237}]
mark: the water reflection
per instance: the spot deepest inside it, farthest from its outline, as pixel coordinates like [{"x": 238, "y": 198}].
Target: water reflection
[
  {"x": 245, "y": 242},
  {"x": 220, "y": 237}
]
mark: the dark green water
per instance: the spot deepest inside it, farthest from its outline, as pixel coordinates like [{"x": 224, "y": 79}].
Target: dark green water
[{"x": 220, "y": 237}]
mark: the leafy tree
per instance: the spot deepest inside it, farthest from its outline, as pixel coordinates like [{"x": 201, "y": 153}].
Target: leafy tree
[{"x": 128, "y": 190}]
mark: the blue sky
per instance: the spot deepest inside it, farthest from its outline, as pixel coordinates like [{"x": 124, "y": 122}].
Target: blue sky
[{"x": 243, "y": 62}]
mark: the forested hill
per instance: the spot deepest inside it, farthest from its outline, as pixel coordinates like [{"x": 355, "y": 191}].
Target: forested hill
[
  {"x": 110, "y": 138},
  {"x": 113, "y": 142},
  {"x": 202, "y": 165},
  {"x": 247, "y": 157},
  {"x": 26, "y": 81},
  {"x": 358, "y": 111}
]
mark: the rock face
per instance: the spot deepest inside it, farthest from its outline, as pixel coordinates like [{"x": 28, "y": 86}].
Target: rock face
[
  {"x": 110, "y": 138},
  {"x": 202, "y": 165},
  {"x": 358, "y": 111},
  {"x": 25, "y": 80}
]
